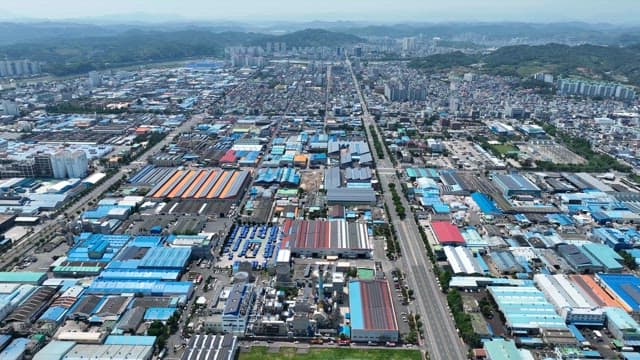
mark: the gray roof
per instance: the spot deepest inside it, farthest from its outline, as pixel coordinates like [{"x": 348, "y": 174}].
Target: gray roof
[
  {"x": 358, "y": 174},
  {"x": 332, "y": 178},
  {"x": 351, "y": 196}
]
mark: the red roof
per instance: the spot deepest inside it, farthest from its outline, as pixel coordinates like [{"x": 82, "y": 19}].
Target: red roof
[
  {"x": 229, "y": 157},
  {"x": 447, "y": 233}
]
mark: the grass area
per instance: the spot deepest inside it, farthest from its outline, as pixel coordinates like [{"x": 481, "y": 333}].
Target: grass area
[
  {"x": 261, "y": 353},
  {"x": 504, "y": 149}
]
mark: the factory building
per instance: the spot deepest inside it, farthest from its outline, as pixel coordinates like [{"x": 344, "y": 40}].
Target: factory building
[
  {"x": 624, "y": 287},
  {"x": 462, "y": 260},
  {"x": 219, "y": 347},
  {"x": 204, "y": 184},
  {"x": 316, "y": 238},
  {"x": 568, "y": 301},
  {"x": 622, "y": 326},
  {"x": 372, "y": 312},
  {"x": 447, "y": 233},
  {"x": 235, "y": 315},
  {"x": 525, "y": 309},
  {"x": 515, "y": 184}
]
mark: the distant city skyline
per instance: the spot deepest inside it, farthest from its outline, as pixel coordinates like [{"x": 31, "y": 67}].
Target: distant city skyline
[{"x": 388, "y": 11}]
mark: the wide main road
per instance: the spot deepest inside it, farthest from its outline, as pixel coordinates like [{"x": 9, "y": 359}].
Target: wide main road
[{"x": 441, "y": 335}]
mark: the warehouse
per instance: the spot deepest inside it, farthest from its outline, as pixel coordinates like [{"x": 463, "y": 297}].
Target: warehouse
[
  {"x": 623, "y": 327},
  {"x": 203, "y": 184},
  {"x": 578, "y": 260},
  {"x": 609, "y": 259},
  {"x": 316, "y": 238},
  {"x": 525, "y": 309},
  {"x": 144, "y": 287},
  {"x": 568, "y": 301},
  {"x": 16, "y": 350},
  {"x": 219, "y": 347},
  {"x": 351, "y": 196},
  {"x": 372, "y": 312},
  {"x": 626, "y": 287},
  {"x": 55, "y": 350},
  {"x": 462, "y": 260},
  {"x": 594, "y": 293},
  {"x": 447, "y": 233},
  {"x": 22, "y": 277},
  {"x": 515, "y": 184},
  {"x": 174, "y": 258},
  {"x": 109, "y": 352}
]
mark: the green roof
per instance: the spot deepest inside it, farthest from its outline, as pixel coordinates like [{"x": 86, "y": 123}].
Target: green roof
[
  {"x": 77, "y": 269},
  {"x": 500, "y": 349},
  {"x": 26, "y": 277}
]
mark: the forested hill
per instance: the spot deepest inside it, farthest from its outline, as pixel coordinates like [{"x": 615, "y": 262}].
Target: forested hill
[
  {"x": 599, "y": 62},
  {"x": 79, "y": 55}
]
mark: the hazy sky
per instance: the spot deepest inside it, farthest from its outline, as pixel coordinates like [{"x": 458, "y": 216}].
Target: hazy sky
[{"x": 613, "y": 11}]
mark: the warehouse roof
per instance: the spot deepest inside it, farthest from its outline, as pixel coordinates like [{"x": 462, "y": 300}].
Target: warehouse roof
[
  {"x": 501, "y": 349},
  {"x": 15, "y": 350},
  {"x": 23, "y": 277},
  {"x": 351, "y": 196},
  {"x": 447, "y": 233},
  {"x": 130, "y": 340},
  {"x": 318, "y": 234},
  {"x": 371, "y": 305},
  {"x": 54, "y": 350},
  {"x": 109, "y": 352},
  {"x": 604, "y": 255},
  {"x": 219, "y": 347},
  {"x": 625, "y": 286},
  {"x": 525, "y": 307},
  {"x": 146, "y": 287},
  {"x": 515, "y": 182},
  {"x": 166, "y": 257}
]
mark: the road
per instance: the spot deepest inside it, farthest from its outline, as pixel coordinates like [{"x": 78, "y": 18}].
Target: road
[{"x": 441, "y": 336}]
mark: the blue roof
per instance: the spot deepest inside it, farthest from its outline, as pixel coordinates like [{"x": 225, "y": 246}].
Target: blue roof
[
  {"x": 626, "y": 286},
  {"x": 355, "y": 305},
  {"x": 130, "y": 340},
  {"x": 133, "y": 274},
  {"x": 145, "y": 287},
  {"x": 485, "y": 203},
  {"x": 157, "y": 313},
  {"x": 15, "y": 350},
  {"x": 54, "y": 313},
  {"x": 166, "y": 257}
]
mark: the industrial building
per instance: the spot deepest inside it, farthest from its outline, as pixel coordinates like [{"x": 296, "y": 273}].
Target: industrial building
[
  {"x": 462, "y": 260},
  {"x": 625, "y": 287},
  {"x": 317, "y": 238},
  {"x": 235, "y": 314},
  {"x": 447, "y": 233},
  {"x": 525, "y": 309},
  {"x": 622, "y": 326},
  {"x": 351, "y": 196},
  {"x": 109, "y": 352},
  {"x": 219, "y": 347},
  {"x": 568, "y": 301},
  {"x": 372, "y": 312},
  {"x": 515, "y": 184},
  {"x": 204, "y": 184}
]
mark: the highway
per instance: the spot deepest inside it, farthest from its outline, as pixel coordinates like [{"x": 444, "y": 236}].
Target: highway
[{"x": 441, "y": 336}]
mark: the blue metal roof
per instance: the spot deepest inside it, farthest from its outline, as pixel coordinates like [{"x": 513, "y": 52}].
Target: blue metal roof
[
  {"x": 157, "y": 313},
  {"x": 166, "y": 258},
  {"x": 15, "y": 350},
  {"x": 130, "y": 340},
  {"x": 355, "y": 305}
]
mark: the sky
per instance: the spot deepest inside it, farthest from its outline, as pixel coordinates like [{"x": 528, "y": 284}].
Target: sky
[{"x": 611, "y": 11}]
